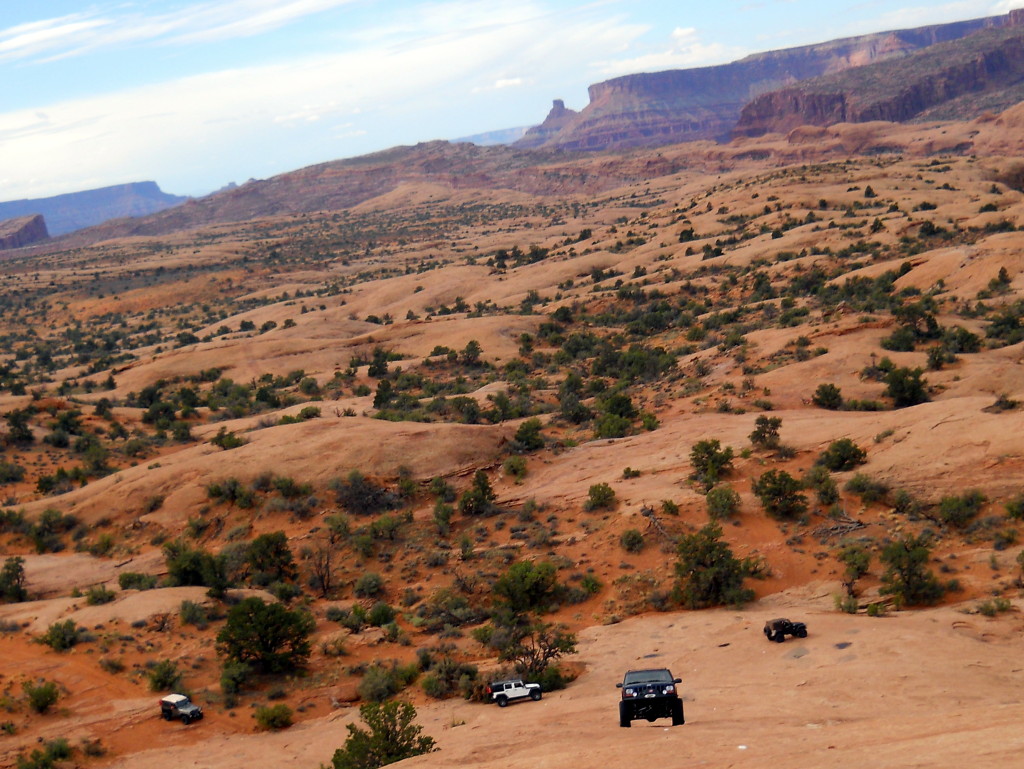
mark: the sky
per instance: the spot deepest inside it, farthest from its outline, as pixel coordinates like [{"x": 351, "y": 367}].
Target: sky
[{"x": 196, "y": 94}]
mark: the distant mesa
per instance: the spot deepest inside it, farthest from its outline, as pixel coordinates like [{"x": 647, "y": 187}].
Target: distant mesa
[
  {"x": 22, "y": 231},
  {"x": 77, "y": 210},
  {"x": 708, "y": 103}
]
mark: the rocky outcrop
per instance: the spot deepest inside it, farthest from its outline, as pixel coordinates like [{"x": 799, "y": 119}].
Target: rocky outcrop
[
  {"x": 705, "y": 103},
  {"x": 23, "y": 231},
  {"x": 558, "y": 118},
  {"x": 897, "y": 91},
  {"x": 75, "y": 210}
]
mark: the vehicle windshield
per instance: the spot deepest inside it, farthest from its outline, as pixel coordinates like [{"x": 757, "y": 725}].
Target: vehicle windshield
[{"x": 648, "y": 677}]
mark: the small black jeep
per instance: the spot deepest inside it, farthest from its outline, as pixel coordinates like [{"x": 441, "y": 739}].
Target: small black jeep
[
  {"x": 778, "y": 629},
  {"x": 650, "y": 694}
]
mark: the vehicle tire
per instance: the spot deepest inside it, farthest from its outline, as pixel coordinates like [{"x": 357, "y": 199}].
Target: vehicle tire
[
  {"x": 677, "y": 713},
  {"x": 185, "y": 719},
  {"x": 780, "y": 637},
  {"x": 801, "y": 633},
  {"x": 625, "y": 716},
  {"x": 166, "y": 716},
  {"x": 502, "y": 701},
  {"x": 535, "y": 695}
]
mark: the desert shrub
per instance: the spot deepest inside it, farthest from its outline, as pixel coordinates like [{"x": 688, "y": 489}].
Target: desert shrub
[
  {"x": 369, "y": 585},
  {"x": 271, "y": 559},
  {"x": 479, "y": 498},
  {"x": 98, "y": 594},
  {"x": 868, "y": 490},
  {"x": 906, "y": 387},
  {"x": 527, "y": 587},
  {"x": 766, "y": 432},
  {"x": 362, "y": 496},
  {"x": 710, "y": 461},
  {"x": 188, "y": 566},
  {"x": 12, "y": 580},
  {"x": 61, "y": 636},
  {"x": 780, "y": 495},
  {"x": 134, "y": 580},
  {"x": 380, "y": 614},
  {"x": 842, "y": 454},
  {"x": 818, "y": 478},
  {"x": 856, "y": 559},
  {"x": 41, "y": 696},
  {"x": 708, "y": 574},
  {"x": 515, "y": 466},
  {"x": 381, "y": 682},
  {"x": 528, "y": 437},
  {"x": 722, "y": 502},
  {"x": 274, "y": 717},
  {"x": 828, "y": 396},
  {"x": 52, "y": 752},
  {"x": 269, "y": 637},
  {"x": 447, "y": 608},
  {"x": 906, "y": 577},
  {"x": 192, "y": 613},
  {"x": 632, "y": 541},
  {"x": 958, "y": 511},
  {"x": 991, "y": 608},
  {"x": 1015, "y": 507},
  {"x": 600, "y": 496},
  {"x": 392, "y": 737},
  {"x": 232, "y": 677},
  {"x": 164, "y": 676}
]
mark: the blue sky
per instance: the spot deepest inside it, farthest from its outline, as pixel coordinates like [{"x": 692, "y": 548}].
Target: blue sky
[{"x": 194, "y": 94}]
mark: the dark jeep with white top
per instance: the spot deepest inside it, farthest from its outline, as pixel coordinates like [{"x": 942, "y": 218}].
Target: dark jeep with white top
[
  {"x": 510, "y": 689},
  {"x": 650, "y": 694},
  {"x": 180, "y": 707}
]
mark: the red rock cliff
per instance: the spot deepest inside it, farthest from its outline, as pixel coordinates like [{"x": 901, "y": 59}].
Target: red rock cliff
[{"x": 23, "y": 231}]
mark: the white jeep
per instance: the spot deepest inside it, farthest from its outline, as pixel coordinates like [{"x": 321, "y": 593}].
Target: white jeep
[{"x": 503, "y": 692}]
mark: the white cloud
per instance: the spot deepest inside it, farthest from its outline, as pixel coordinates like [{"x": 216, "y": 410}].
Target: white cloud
[
  {"x": 940, "y": 13},
  {"x": 197, "y": 22},
  {"x": 685, "y": 50},
  {"x": 271, "y": 118}
]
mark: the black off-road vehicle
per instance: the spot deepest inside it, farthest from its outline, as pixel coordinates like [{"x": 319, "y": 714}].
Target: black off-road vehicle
[
  {"x": 650, "y": 694},
  {"x": 178, "y": 706},
  {"x": 778, "y": 629}
]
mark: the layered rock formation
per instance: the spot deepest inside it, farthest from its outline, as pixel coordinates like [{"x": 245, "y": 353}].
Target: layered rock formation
[
  {"x": 990, "y": 62},
  {"x": 705, "y": 103},
  {"x": 75, "y": 210},
  {"x": 23, "y": 231}
]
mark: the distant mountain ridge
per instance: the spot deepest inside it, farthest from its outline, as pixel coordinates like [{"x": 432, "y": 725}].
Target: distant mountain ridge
[
  {"x": 707, "y": 102},
  {"x": 76, "y": 210},
  {"x": 984, "y": 71}
]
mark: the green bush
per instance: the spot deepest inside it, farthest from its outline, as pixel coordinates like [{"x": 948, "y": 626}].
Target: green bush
[
  {"x": 906, "y": 387},
  {"x": 710, "y": 462},
  {"x": 722, "y": 502},
  {"x": 600, "y": 496},
  {"x": 12, "y": 580},
  {"x": 708, "y": 574},
  {"x": 133, "y": 580},
  {"x": 47, "y": 758},
  {"x": 828, "y": 396},
  {"x": 274, "y": 717},
  {"x": 192, "y": 613},
  {"x": 41, "y": 696},
  {"x": 515, "y": 466},
  {"x": 268, "y": 637},
  {"x": 369, "y": 585},
  {"x": 1015, "y": 507},
  {"x": 98, "y": 594},
  {"x": 164, "y": 676},
  {"x": 868, "y": 490},
  {"x": 392, "y": 737},
  {"x": 232, "y": 676},
  {"x": 632, "y": 541},
  {"x": 841, "y": 455},
  {"x": 907, "y": 578},
  {"x": 958, "y": 511},
  {"x": 61, "y": 636},
  {"x": 766, "y": 432},
  {"x": 383, "y": 681},
  {"x": 780, "y": 495},
  {"x": 380, "y": 614}
]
